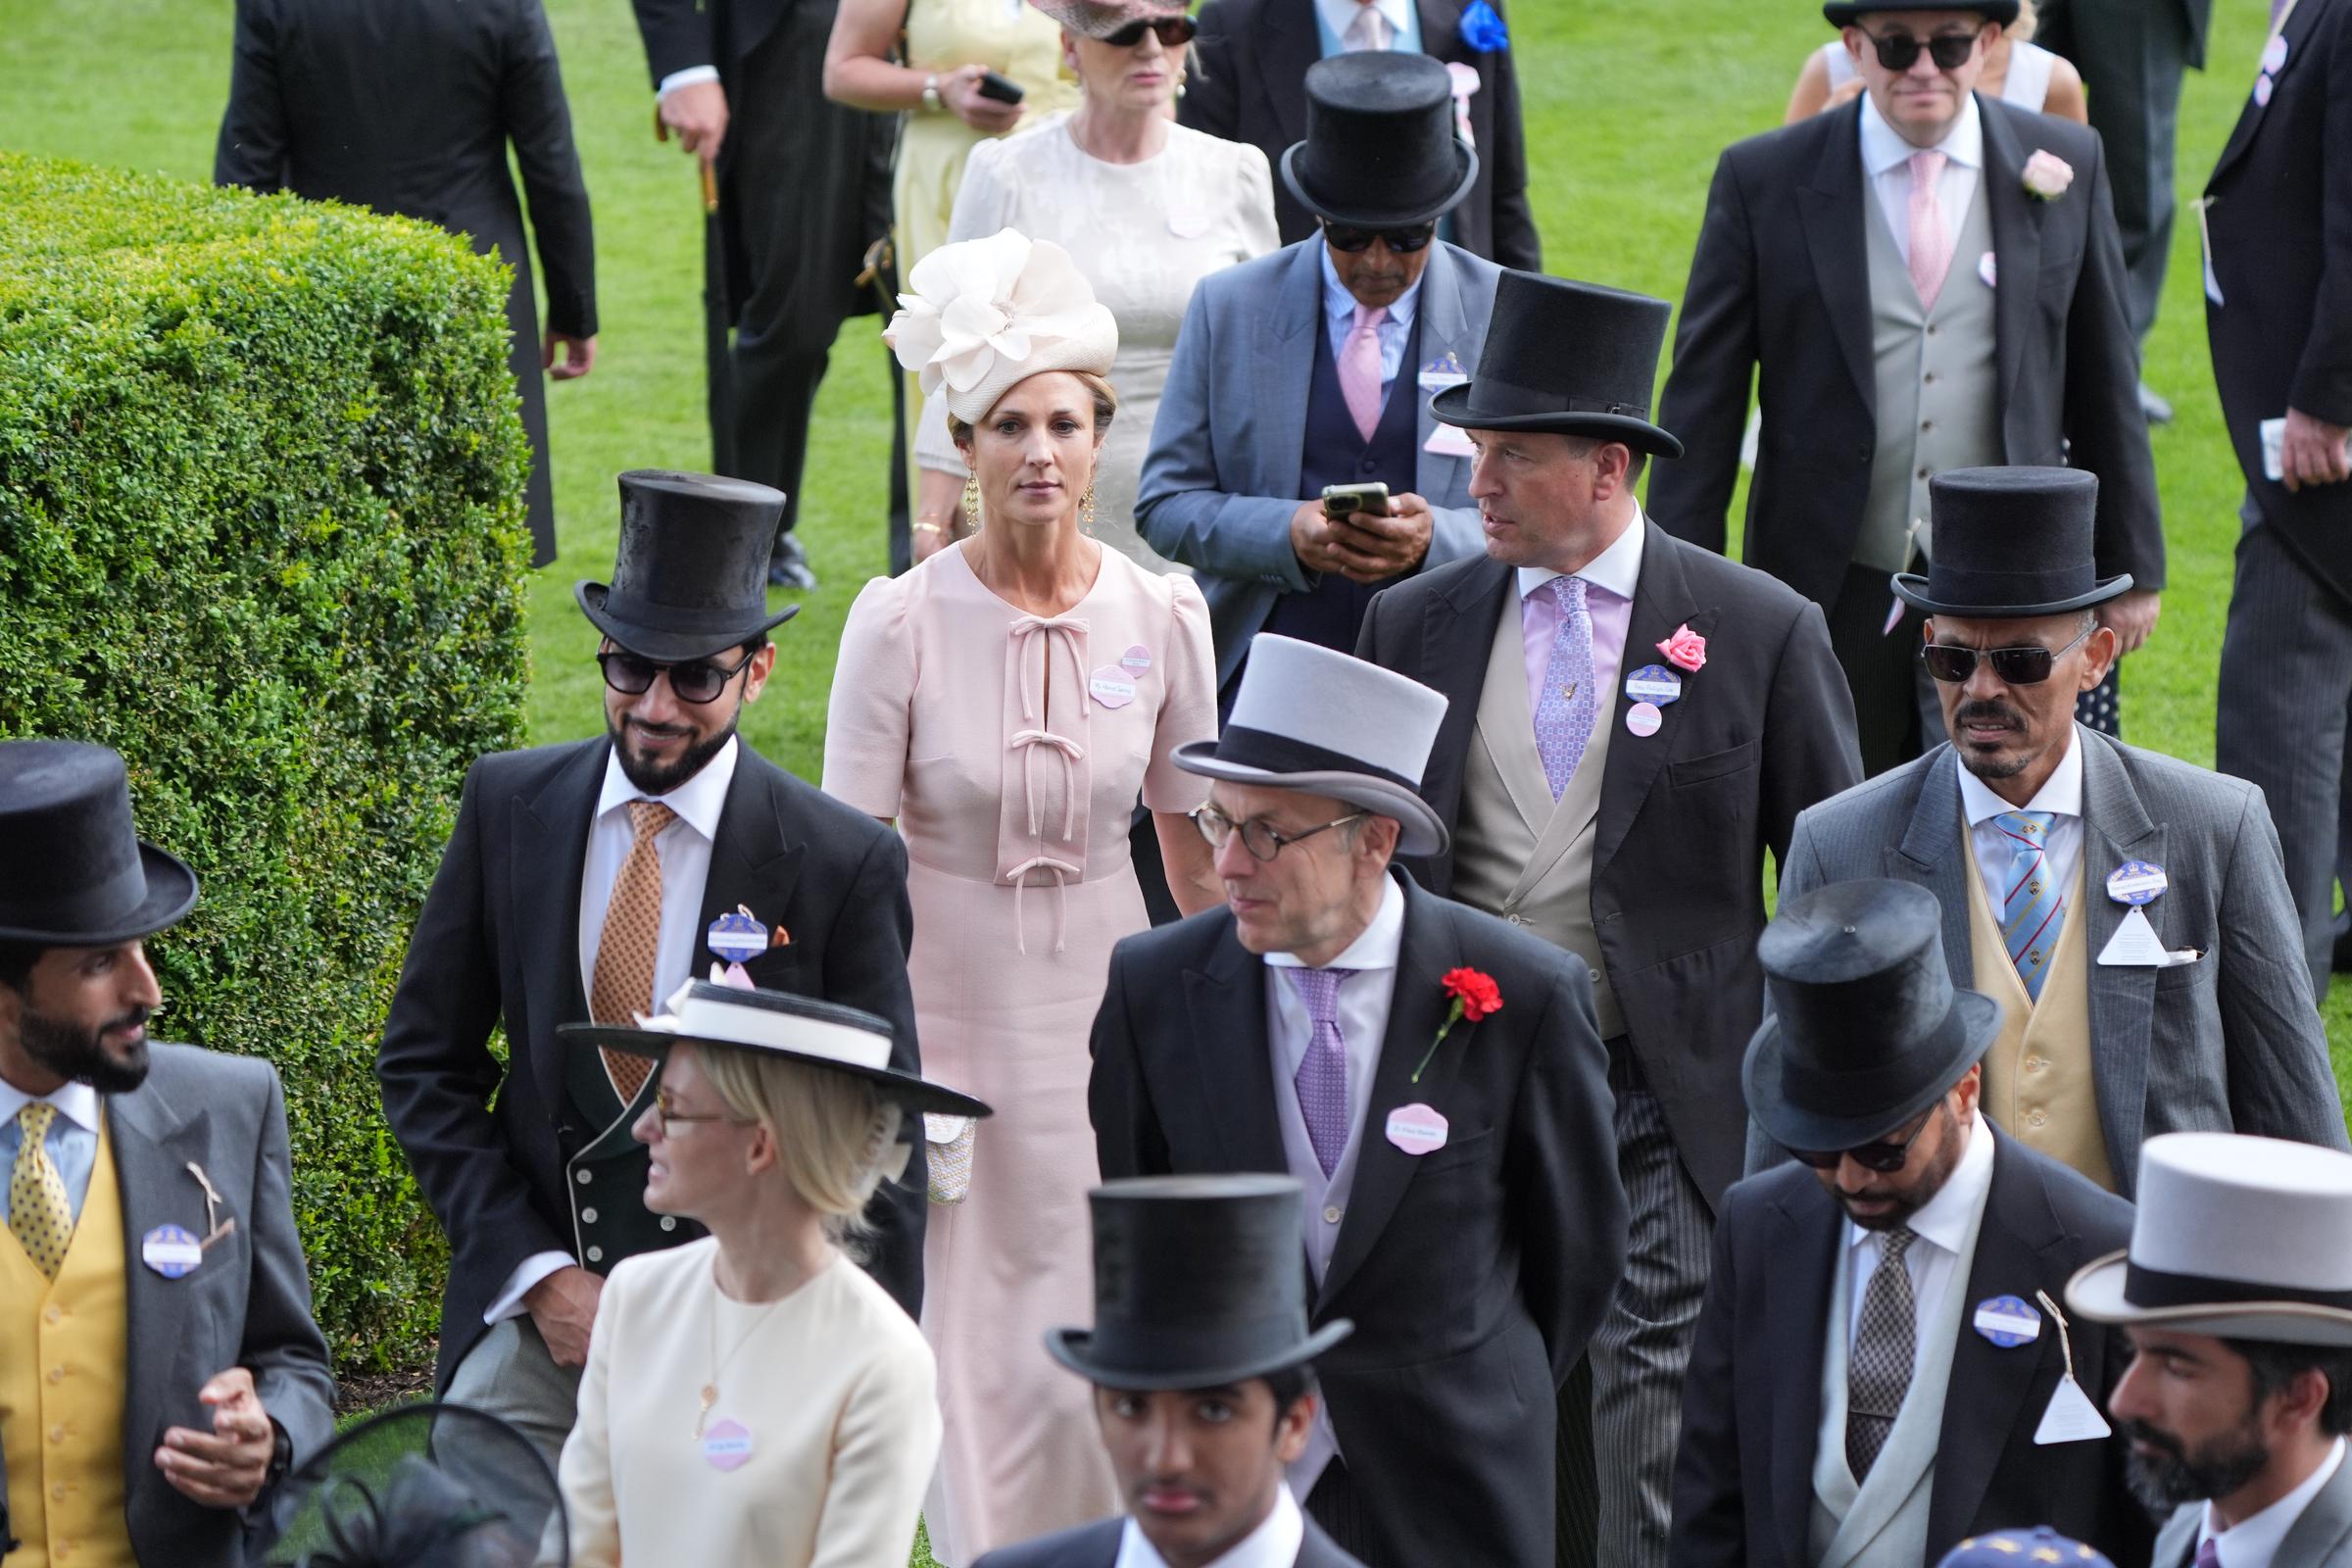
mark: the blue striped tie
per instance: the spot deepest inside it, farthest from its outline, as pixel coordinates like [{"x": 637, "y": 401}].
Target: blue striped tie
[{"x": 2033, "y": 913}]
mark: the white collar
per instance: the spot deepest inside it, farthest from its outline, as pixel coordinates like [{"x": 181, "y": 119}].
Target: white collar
[
  {"x": 2258, "y": 1538},
  {"x": 698, "y": 801},
  {"x": 1338, "y": 304},
  {"x": 1882, "y": 149},
  {"x": 1945, "y": 1219},
  {"x": 1615, "y": 570},
  {"x": 2060, "y": 794},
  {"x": 77, "y": 1102},
  {"x": 1376, "y": 946},
  {"x": 1274, "y": 1543},
  {"x": 1339, "y": 15}
]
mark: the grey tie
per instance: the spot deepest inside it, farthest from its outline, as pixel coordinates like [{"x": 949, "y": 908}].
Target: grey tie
[{"x": 1879, "y": 1374}]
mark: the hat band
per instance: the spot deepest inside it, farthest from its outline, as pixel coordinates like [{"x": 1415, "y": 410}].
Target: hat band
[
  {"x": 1155, "y": 1347},
  {"x": 1490, "y": 394},
  {"x": 2146, "y": 1286},
  {"x": 696, "y": 1015},
  {"x": 89, "y": 908},
  {"x": 1987, "y": 585},
  {"x": 1279, "y": 754},
  {"x": 622, "y": 604},
  {"x": 1829, "y": 1092}
]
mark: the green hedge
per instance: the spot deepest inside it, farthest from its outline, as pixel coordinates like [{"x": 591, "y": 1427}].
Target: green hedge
[{"x": 261, "y": 531}]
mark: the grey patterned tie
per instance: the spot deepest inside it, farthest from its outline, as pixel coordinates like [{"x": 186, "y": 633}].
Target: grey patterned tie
[{"x": 1885, "y": 1346}]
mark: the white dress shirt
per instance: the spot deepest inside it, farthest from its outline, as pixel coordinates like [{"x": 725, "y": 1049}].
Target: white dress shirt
[
  {"x": 1942, "y": 1230},
  {"x": 1886, "y": 160},
  {"x": 1334, "y": 24},
  {"x": 1274, "y": 1543},
  {"x": 1339, "y": 317},
  {"x": 71, "y": 1139},
  {"x": 2061, "y": 795},
  {"x": 2254, "y": 1540}
]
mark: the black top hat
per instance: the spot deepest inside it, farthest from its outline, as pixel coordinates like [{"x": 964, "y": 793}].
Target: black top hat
[
  {"x": 1197, "y": 1283},
  {"x": 1379, "y": 149},
  {"x": 1575, "y": 359},
  {"x": 2009, "y": 544},
  {"x": 691, "y": 575},
  {"x": 1845, "y": 13},
  {"x": 72, "y": 871},
  {"x": 1866, "y": 1029}
]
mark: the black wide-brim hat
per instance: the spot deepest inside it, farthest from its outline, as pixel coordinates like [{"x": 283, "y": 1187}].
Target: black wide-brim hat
[
  {"x": 2010, "y": 544},
  {"x": 1573, "y": 359},
  {"x": 1845, "y": 13},
  {"x": 1198, "y": 1285},
  {"x": 1867, "y": 1029},
  {"x": 74, "y": 872},
  {"x": 690, "y": 576},
  {"x": 1380, "y": 150}
]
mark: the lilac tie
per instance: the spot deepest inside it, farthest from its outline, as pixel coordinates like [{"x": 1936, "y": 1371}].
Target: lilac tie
[
  {"x": 1930, "y": 242},
  {"x": 2209, "y": 1554},
  {"x": 1564, "y": 717},
  {"x": 1322, "y": 1078},
  {"x": 1359, "y": 368}
]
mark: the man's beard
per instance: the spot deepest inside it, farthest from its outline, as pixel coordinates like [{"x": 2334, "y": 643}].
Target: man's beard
[
  {"x": 80, "y": 1055},
  {"x": 659, "y": 780},
  {"x": 2166, "y": 1480},
  {"x": 2008, "y": 765}
]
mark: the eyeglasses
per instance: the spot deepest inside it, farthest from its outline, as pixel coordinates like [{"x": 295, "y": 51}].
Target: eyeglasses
[
  {"x": 1898, "y": 50},
  {"x": 2015, "y": 666},
  {"x": 1174, "y": 32},
  {"x": 664, "y": 1107},
  {"x": 697, "y": 680},
  {"x": 1263, "y": 841},
  {"x": 1885, "y": 1156},
  {"x": 1403, "y": 241}
]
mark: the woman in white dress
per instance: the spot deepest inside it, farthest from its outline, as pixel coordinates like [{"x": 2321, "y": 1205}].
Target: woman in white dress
[
  {"x": 1146, "y": 207},
  {"x": 2017, "y": 70}
]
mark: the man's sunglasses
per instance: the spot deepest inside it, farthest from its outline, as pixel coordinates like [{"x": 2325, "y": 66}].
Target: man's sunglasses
[
  {"x": 1898, "y": 50},
  {"x": 1403, "y": 241},
  {"x": 2016, "y": 666},
  {"x": 1174, "y": 32},
  {"x": 1886, "y": 1156},
  {"x": 697, "y": 680}
]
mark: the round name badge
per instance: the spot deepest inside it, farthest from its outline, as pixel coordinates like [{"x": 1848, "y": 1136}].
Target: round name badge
[
  {"x": 727, "y": 1445},
  {"x": 1417, "y": 1129},
  {"x": 2135, "y": 882},
  {"x": 1643, "y": 718},
  {"x": 1135, "y": 661},
  {"x": 736, "y": 936},
  {"x": 2273, "y": 54},
  {"x": 170, "y": 1251},
  {"x": 2008, "y": 1321},
  {"x": 1112, "y": 686},
  {"x": 1654, "y": 684},
  {"x": 1988, "y": 268},
  {"x": 2263, "y": 88}
]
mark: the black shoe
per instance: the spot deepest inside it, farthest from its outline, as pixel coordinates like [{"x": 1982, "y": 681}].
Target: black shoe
[
  {"x": 788, "y": 566},
  {"x": 2155, "y": 408}
]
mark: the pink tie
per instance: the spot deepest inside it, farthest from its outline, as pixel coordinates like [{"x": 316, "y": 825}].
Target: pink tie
[
  {"x": 1359, "y": 368},
  {"x": 1369, "y": 30},
  {"x": 1931, "y": 244}
]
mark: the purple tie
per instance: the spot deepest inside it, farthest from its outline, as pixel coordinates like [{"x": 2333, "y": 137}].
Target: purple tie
[
  {"x": 1322, "y": 1079},
  {"x": 1565, "y": 716},
  {"x": 2209, "y": 1554}
]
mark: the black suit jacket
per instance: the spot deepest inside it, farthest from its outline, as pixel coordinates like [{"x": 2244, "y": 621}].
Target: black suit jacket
[
  {"x": 1248, "y": 83},
  {"x": 1751, "y": 1400},
  {"x": 1763, "y": 731},
  {"x": 1474, "y": 1274},
  {"x": 2281, "y": 224},
  {"x": 1777, "y": 290},
  {"x": 1097, "y": 1545},
  {"x": 498, "y": 946}
]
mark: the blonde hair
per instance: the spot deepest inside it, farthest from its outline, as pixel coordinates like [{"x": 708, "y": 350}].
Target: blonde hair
[
  {"x": 2021, "y": 30},
  {"x": 832, "y": 1130},
  {"x": 1106, "y": 404}
]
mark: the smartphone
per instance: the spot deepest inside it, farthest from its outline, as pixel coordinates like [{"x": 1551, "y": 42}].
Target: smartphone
[
  {"x": 1003, "y": 88},
  {"x": 1346, "y": 499}
]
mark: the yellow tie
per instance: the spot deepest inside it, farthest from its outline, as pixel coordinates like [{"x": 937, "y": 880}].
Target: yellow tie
[
  {"x": 624, "y": 982},
  {"x": 38, "y": 1215}
]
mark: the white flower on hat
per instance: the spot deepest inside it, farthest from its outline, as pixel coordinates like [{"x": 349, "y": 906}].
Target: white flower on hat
[{"x": 984, "y": 314}]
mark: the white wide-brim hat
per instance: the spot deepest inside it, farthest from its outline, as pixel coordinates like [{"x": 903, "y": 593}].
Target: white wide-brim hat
[
  {"x": 982, "y": 316},
  {"x": 1322, "y": 722},
  {"x": 2236, "y": 1237}
]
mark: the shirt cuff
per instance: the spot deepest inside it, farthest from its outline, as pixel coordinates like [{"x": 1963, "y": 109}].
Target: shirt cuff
[
  {"x": 691, "y": 77},
  {"x": 530, "y": 1272}
]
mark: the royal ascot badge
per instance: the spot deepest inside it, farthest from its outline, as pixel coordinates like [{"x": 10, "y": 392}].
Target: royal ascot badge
[
  {"x": 2136, "y": 882},
  {"x": 1417, "y": 1129},
  {"x": 727, "y": 1445},
  {"x": 737, "y": 936},
  {"x": 1135, "y": 661},
  {"x": 2008, "y": 1321},
  {"x": 2273, "y": 54},
  {"x": 1654, "y": 683},
  {"x": 1988, "y": 268},
  {"x": 1442, "y": 372},
  {"x": 1111, "y": 686},
  {"x": 1643, "y": 718},
  {"x": 170, "y": 1251}
]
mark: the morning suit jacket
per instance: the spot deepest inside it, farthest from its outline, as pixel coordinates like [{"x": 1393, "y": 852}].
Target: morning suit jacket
[
  {"x": 408, "y": 107},
  {"x": 1751, "y": 1400},
  {"x": 1248, "y": 83},
  {"x": 2321, "y": 1539},
  {"x": 1474, "y": 1274},
  {"x": 498, "y": 945},
  {"x": 2279, "y": 221},
  {"x": 247, "y": 1304},
  {"x": 2230, "y": 1043},
  {"x": 1763, "y": 731},
  {"x": 1222, "y": 480},
  {"x": 1097, "y": 1545},
  {"x": 1772, "y": 291}
]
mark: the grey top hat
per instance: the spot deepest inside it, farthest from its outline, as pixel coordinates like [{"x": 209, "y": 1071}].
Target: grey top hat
[
  {"x": 1381, "y": 149},
  {"x": 691, "y": 576},
  {"x": 2011, "y": 544},
  {"x": 74, "y": 872}
]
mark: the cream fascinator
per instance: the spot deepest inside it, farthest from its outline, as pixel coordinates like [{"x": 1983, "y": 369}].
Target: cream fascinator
[{"x": 985, "y": 313}]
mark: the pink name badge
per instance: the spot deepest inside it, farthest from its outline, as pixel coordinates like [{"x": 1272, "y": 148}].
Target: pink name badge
[
  {"x": 1135, "y": 661},
  {"x": 1643, "y": 718},
  {"x": 1111, "y": 686},
  {"x": 1417, "y": 1129},
  {"x": 727, "y": 1445}
]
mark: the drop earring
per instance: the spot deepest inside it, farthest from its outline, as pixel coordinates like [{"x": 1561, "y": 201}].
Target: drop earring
[{"x": 971, "y": 499}]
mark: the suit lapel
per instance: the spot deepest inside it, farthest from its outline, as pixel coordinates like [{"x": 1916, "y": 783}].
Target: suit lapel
[
  {"x": 1285, "y": 375},
  {"x": 1458, "y": 628},
  {"x": 2307, "y": 15},
  {"x": 1929, "y": 856},
  {"x": 1832, "y": 208},
  {"x": 2123, "y": 997},
  {"x": 1662, "y": 602},
  {"x": 2320, "y": 1534},
  {"x": 1804, "y": 1251},
  {"x": 1226, "y": 1004},
  {"x": 751, "y": 866},
  {"x": 551, "y": 841},
  {"x": 153, "y": 1145},
  {"x": 2016, "y": 221},
  {"x": 1445, "y": 328}
]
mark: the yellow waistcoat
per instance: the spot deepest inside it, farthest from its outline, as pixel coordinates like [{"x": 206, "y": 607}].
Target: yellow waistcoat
[{"x": 62, "y": 1346}]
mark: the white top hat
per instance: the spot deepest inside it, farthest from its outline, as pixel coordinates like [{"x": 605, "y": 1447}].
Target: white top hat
[
  {"x": 1319, "y": 722},
  {"x": 2236, "y": 1237},
  {"x": 983, "y": 315}
]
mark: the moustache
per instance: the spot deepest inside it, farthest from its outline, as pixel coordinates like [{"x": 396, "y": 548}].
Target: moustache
[
  {"x": 135, "y": 1018},
  {"x": 2156, "y": 1438},
  {"x": 1988, "y": 712}
]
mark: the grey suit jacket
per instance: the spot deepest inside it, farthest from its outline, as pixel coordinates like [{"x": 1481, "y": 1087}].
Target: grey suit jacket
[
  {"x": 247, "y": 1304},
  {"x": 2321, "y": 1539},
  {"x": 1222, "y": 480},
  {"x": 2230, "y": 1043}
]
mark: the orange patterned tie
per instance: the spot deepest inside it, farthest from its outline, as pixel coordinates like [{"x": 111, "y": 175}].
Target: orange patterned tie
[{"x": 624, "y": 958}]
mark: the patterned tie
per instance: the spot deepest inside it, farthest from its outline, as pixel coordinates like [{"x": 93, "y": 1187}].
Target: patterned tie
[
  {"x": 38, "y": 1215},
  {"x": 2031, "y": 915},
  {"x": 1885, "y": 1346},
  {"x": 1369, "y": 30},
  {"x": 1930, "y": 242},
  {"x": 1564, "y": 717},
  {"x": 1359, "y": 368},
  {"x": 624, "y": 983},
  {"x": 1322, "y": 1078}
]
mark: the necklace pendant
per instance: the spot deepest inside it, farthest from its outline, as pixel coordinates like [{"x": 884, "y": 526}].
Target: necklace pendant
[{"x": 709, "y": 1398}]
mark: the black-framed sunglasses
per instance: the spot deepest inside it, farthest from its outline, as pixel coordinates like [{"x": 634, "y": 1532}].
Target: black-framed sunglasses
[
  {"x": 2030, "y": 665},
  {"x": 1403, "y": 241},
  {"x": 696, "y": 680},
  {"x": 1898, "y": 50},
  {"x": 1886, "y": 1156},
  {"x": 1261, "y": 840},
  {"x": 1174, "y": 32}
]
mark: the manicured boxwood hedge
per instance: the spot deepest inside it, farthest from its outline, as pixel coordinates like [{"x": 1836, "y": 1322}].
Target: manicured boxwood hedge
[{"x": 261, "y": 531}]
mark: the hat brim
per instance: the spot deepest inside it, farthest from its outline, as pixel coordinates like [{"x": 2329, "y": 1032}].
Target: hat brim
[
  {"x": 170, "y": 894},
  {"x": 1458, "y": 405},
  {"x": 915, "y": 1093},
  {"x": 1912, "y": 589},
  {"x": 1071, "y": 1347},
  {"x": 664, "y": 645},
  {"x": 1793, "y": 1127},
  {"x": 1074, "y": 18},
  {"x": 1466, "y": 158},
  {"x": 1421, "y": 833},
  {"x": 2097, "y": 1292},
  {"x": 1845, "y": 13}
]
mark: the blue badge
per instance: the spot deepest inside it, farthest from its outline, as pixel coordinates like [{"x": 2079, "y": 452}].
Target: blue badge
[
  {"x": 170, "y": 1251},
  {"x": 737, "y": 936},
  {"x": 2008, "y": 1321},
  {"x": 1654, "y": 683},
  {"x": 2136, "y": 882}
]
